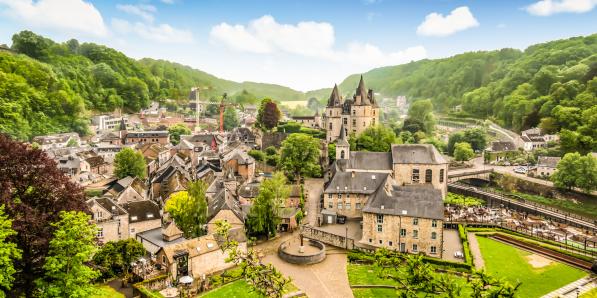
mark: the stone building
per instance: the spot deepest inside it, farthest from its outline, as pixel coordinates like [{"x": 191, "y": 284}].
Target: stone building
[
  {"x": 158, "y": 136},
  {"x": 111, "y": 220},
  {"x": 354, "y": 114},
  {"x": 309, "y": 121}
]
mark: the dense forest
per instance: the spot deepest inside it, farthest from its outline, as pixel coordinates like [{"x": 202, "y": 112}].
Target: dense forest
[
  {"x": 48, "y": 87},
  {"x": 552, "y": 85}
]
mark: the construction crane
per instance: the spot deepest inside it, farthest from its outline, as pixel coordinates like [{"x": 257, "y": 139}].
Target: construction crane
[{"x": 223, "y": 106}]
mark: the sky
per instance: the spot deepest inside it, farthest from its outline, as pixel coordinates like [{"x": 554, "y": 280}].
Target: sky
[{"x": 304, "y": 45}]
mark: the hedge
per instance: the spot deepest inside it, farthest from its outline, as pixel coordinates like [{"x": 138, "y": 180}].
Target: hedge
[
  {"x": 368, "y": 258},
  {"x": 468, "y": 257}
]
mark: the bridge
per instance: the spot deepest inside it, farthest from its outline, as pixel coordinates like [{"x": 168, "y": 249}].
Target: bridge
[
  {"x": 525, "y": 205},
  {"x": 471, "y": 174}
]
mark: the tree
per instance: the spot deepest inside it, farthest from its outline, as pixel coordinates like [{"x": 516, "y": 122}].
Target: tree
[
  {"x": 300, "y": 156},
  {"x": 115, "y": 257},
  {"x": 264, "y": 279},
  {"x": 230, "y": 118},
  {"x": 129, "y": 162},
  {"x": 263, "y": 217},
  {"x": 258, "y": 155},
  {"x": 313, "y": 104},
  {"x": 268, "y": 114},
  {"x": 476, "y": 137},
  {"x": 376, "y": 138},
  {"x": 587, "y": 173},
  {"x": 31, "y": 44},
  {"x": 9, "y": 253},
  {"x": 73, "y": 245},
  {"x": 463, "y": 151},
  {"x": 176, "y": 131},
  {"x": 567, "y": 171},
  {"x": 34, "y": 192},
  {"x": 189, "y": 209},
  {"x": 423, "y": 111}
]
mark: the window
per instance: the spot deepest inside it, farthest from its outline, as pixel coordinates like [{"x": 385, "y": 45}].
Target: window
[
  {"x": 433, "y": 250},
  {"x": 415, "y": 176},
  {"x": 390, "y": 243},
  {"x": 354, "y": 122},
  {"x": 100, "y": 215},
  {"x": 347, "y": 205},
  {"x": 402, "y": 247},
  {"x": 433, "y": 235},
  {"x": 403, "y": 232},
  {"x": 339, "y": 196},
  {"x": 369, "y": 240},
  {"x": 330, "y": 112},
  {"x": 100, "y": 232},
  {"x": 415, "y": 248},
  {"x": 354, "y": 112},
  {"x": 415, "y": 221},
  {"x": 339, "y": 205},
  {"x": 428, "y": 175},
  {"x": 348, "y": 196},
  {"x": 380, "y": 218},
  {"x": 434, "y": 223},
  {"x": 441, "y": 175},
  {"x": 415, "y": 234},
  {"x": 342, "y": 154},
  {"x": 132, "y": 230},
  {"x": 380, "y": 241},
  {"x": 330, "y": 196},
  {"x": 330, "y": 125},
  {"x": 345, "y": 121},
  {"x": 358, "y": 206},
  {"x": 379, "y": 228},
  {"x": 330, "y": 204},
  {"x": 163, "y": 259}
]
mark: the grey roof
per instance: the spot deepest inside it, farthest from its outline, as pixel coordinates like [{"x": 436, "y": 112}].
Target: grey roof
[
  {"x": 416, "y": 154},
  {"x": 107, "y": 204},
  {"x": 223, "y": 200},
  {"x": 142, "y": 211},
  {"x": 147, "y": 134},
  {"x": 502, "y": 146},
  {"x": 362, "y": 182},
  {"x": 412, "y": 200},
  {"x": 548, "y": 161},
  {"x": 155, "y": 237},
  {"x": 364, "y": 160},
  {"x": 342, "y": 138},
  {"x": 249, "y": 190}
]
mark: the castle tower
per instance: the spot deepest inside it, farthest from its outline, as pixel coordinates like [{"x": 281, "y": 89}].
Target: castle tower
[{"x": 342, "y": 145}]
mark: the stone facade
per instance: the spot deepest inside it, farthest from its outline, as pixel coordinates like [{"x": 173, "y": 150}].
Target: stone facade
[
  {"x": 404, "y": 233},
  {"x": 355, "y": 114},
  {"x": 434, "y": 174},
  {"x": 225, "y": 215}
]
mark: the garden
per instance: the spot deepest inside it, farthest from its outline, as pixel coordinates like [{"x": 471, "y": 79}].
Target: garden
[{"x": 537, "y": 275}]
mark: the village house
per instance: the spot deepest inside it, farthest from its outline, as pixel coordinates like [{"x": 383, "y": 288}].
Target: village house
[
  {"x": 500, "y": 151},
  {"x": 546, "y": 166},
  {"x": 244, "y": 135},
  {"x": 111, "y": 220},
  {"x": 60, "y": 140},
  {"x": 143, "y": 216},
  {"x": 223, "y": 204},
  {"x": 355, "y": 114},
  {"x": 172, "y": 176},
  {"x": 240, "y": 163},
  {"x": 533, "y": 138},
  {"x": 158, "y": 238},
  {"x": 155, "y": 156},
  {"x": 157, "y": 136},
  {"x": 107, "y": 122},
  {"x": 309, "y": 121}
]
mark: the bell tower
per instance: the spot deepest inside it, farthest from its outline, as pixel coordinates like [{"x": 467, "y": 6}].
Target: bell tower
[{"x": 342, "y": 145}]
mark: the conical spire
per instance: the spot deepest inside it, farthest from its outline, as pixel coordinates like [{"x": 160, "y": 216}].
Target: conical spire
[
  {"x": 342, "y": 138},
  {"x": 334, "y": 97}
]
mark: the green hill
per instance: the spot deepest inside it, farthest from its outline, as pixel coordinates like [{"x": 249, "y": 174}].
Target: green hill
[{"x": 48, "y": 87}]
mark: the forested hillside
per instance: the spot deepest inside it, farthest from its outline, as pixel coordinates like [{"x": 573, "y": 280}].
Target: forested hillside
[
  {"x": 552, "y": 85},
  {"x": 48, "y": 87}
]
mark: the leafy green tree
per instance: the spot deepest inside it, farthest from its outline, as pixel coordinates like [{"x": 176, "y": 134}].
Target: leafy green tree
[
  {"x": 463, "y": 151},
  {"x": 189, "y": 209},
  {"x": 9, "y": 253},
  {"x": 423, "y": 110},
  {"x": 313, "y": 104},
  {"x": 263, "y": 217},
  {"x": 73, "y": 245},
  {"x": 587, "y": 173},
  {"x": 567, "y": 171},
  {"x": 300, "y": 156},
  {"x": 268, "y": 114},
  {"x": 331, "y": 152},
  {"x": 115, "y": 257},
  {"x": 176, "y": 131},
  {"x": 258, "y": 155},
  {"x": 31, "y": 44},
  {"x": 376, "y": 138},
  {"x": 230, "y": 118},
  {"x": 129, "y": 162},
  {"x": 476, "y": 137}
]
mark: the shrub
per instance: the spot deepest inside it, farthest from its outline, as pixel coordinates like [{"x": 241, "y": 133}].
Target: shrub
[
  {"x": 257, "y": 155},
  {"x": 271, "y": 150}
]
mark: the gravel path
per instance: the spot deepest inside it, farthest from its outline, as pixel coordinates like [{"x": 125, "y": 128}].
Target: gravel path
[{"x": 475, "y": 251}]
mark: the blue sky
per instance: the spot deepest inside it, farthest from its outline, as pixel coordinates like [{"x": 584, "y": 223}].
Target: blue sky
[{"x": 301, "y": 44}]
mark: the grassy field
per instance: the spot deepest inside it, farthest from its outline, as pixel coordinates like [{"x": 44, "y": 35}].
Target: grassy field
[
  {"x": 240, "y": 289},
  {"x": 104, "y": 291},
  {"x": 587, "y": 208},
  {"x": 368, "y": 275},
  {"x": 505, "y": 261},
  {"x": 294, "y": 103}
]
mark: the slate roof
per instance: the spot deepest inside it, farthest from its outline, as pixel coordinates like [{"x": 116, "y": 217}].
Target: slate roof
[
  {"x": 223, "y": 200},
  {"x": 156, "y": 237},
  {"x": 364, "y": 160},
  {"x": 249, "y": 190},
  {"x": 362, "y": 182},
  {"x": 502, "y": 146},
  {"x": 240, "y": 156},
  {"x": 142, "y": 210},
  {"x": 107, "y": 204},
  {"x": 412, "y": 200},
  {"x": 548, "y": 161},
  {"x": 416, "y": 154},
  {"x": 193, "y": 247}
]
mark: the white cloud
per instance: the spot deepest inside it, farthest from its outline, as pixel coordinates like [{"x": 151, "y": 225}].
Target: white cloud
[
  {"x": 159, "y": 33},
  {"x": 75, "y": 15},
  {"x": 145, "y": 11},
  {"x": 310, "y": 39},
  {"x": 436, "y": 24},
  {"x": 549, "y": 7}
]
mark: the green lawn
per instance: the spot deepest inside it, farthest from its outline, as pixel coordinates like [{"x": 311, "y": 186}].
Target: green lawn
[
  {"x": 505, "y": 261},
  {"x": 104, "y": 291},
  {"x": 590, "y": 294},
  {"x": 240, "y": 289},
  {"x": 368, "y": 275}
]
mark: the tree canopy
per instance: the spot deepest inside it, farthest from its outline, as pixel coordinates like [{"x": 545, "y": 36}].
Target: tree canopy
[
  {"x": 189, "y": 209},
  {"x": 129, "y": 162},
  {"x": 300, "y": 156},
  {"x": 268, "y": 114},
  {"x": 463, "y": 151},
  {"x": 377, "y": 138},
  {"x": 9, "y": 253},
  {"x": 263, "y": 217},
  {"x": 176, "y": 131},
  {"x": 575, "y": 170},
  {"x": 230, "y": 118}
]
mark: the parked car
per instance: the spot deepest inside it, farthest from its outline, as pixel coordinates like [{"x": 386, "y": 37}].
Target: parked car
[
  {"x": 520, "y": 170},
  {"x": 458, "y": 255}
]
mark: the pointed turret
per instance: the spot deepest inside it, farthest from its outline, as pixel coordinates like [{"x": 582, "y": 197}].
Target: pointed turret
[
  {"x": 342, "y": 145},
  {"x": 334, "y": 97},
  {"x": 361, "y": 94}
]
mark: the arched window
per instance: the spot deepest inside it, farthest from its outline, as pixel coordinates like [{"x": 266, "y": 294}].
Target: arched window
[
  {"x": 428, "y": 175},
  {"x": 342, "y": 154}
]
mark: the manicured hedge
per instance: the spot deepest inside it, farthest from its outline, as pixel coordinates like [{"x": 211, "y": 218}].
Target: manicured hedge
[
  {"x": 368, "y": 258},
  {"x": 468, "y": 257}
]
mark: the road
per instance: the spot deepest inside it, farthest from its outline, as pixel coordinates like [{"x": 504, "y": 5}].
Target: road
[{"x": 313, "y": 192}]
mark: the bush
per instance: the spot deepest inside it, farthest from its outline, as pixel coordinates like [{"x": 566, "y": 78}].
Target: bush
[
  {"x": 257, "y": 155},
  {"x": 356, "y": 255},
  {"x": 271, "y": 150},
  {"x": 468, "y": 258},
  {"x": 463, "y": 267},
  {"x": 272, "y": 160}
]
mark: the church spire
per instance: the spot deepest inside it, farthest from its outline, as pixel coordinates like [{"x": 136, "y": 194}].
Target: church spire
[
  {"x": 342, "y": 145},
  {"x": 334, "y": 97},
  {"x": 361, "y": 94}
]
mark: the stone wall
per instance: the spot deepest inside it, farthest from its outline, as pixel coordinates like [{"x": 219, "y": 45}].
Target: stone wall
[{"x": 302, "y": 259}]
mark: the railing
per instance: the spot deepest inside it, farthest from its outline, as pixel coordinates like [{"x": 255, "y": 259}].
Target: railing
[{"x": 539, "y": 208}]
